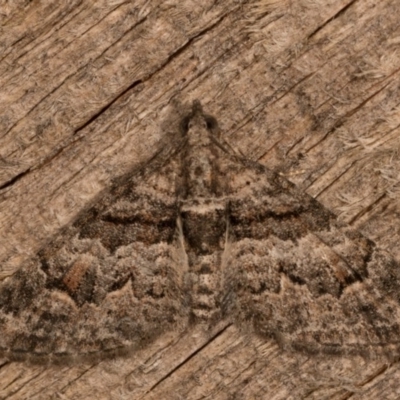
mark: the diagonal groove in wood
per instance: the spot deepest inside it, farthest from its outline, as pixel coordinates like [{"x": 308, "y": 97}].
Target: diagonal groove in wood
[
  {"x": 64, "y": 22},
  {"x": 75, "y": 72},
  {"x": 348, "y": 114},
  {"x": 24, "y": 384},
  {"x": 187, "y": 359},
  {"x": 338, "y": 14},
  {"x": 328, "y": 186},
  {"x": 14, "y": 179},
  {"x": 370, "y": 207},
  {"x": 116, "y": 98}
]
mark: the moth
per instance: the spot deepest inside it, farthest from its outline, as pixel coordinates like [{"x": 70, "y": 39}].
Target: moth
[{"x": 198, "y": 235}]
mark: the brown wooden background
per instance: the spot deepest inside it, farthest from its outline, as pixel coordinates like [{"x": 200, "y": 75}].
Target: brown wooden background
[{"x": 309, "y": 88}]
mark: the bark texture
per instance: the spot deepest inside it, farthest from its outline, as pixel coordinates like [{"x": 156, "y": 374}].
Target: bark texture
[{"x": 309, "y": 88}]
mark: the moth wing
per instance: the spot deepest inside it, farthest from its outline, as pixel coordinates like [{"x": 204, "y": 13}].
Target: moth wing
[
  {"x": 110, "y": 281},
  {"x": 296, "y": 274}
]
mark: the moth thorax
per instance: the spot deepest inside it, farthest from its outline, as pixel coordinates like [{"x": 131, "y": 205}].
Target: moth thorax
[{"x": 200, "y": 168}]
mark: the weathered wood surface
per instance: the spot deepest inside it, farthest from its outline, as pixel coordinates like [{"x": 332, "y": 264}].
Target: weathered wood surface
[{"x": 309, "y": 88}]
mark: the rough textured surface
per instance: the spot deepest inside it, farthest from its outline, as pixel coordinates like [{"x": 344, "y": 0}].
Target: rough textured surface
[
  {"x": 201, "y": 235},
  {"x": 307, "y": 88}
]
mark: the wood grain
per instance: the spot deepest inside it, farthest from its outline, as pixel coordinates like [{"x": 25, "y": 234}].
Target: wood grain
[{"x": 310, "y": 88}]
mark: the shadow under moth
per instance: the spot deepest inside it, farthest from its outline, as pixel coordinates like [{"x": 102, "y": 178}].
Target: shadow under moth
[{"x": 198, "y": 236}]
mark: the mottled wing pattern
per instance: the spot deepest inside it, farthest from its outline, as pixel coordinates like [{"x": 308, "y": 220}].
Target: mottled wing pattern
[
  {"x": 298, "y": 275},
  {"x": 198, "y": 235},
  {"x": 110, "y": 281}
]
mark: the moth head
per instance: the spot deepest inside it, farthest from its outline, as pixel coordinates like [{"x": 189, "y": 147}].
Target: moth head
[{"x": 199, "y": 126}]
